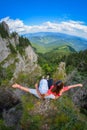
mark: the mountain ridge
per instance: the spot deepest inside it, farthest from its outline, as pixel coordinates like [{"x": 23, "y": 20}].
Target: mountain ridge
[{"x": 54, "y": 40}]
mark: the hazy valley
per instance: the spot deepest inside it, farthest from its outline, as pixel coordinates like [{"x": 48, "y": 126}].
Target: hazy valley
[{"x": 47, "y": 41}]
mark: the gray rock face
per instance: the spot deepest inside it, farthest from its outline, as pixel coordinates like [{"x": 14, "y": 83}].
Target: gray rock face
[
  {"x": 7, "y": 99},
  {"x": 16, "y": 39},
  {"x": 4, "y": 50},
  {"x": 26, "y": 63},
  {"x": 12, "y": 116},
  {"x": 79, "y": 94},
  {"x": 9, "y": 107},
  {"x": 80, "y": 98},
  {"x": 5, "y": 26}
]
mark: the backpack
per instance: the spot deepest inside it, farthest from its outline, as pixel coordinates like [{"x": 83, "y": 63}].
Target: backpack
[{"x": 50, "y": 83}]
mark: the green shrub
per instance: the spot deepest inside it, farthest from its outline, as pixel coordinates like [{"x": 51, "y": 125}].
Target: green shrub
[
  {"x": 3, "y": 127},
  {"x": 12, "y": 48},
  {"x": 23, "y": 43},
  {"x": 6, "y": 74},
  {"x": 13, "y": 34}
]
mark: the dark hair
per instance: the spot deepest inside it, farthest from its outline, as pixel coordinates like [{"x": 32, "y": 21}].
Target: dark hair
[{"x": 57, "y": 86}]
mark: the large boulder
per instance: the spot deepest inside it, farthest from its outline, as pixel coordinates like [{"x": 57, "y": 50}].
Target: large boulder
[
  {"x": 10, "y": 107},
  {"x": 8, "y": 99}
]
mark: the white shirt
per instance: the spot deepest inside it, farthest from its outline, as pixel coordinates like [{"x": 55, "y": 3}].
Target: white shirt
[{"x": 43, "y": 86}]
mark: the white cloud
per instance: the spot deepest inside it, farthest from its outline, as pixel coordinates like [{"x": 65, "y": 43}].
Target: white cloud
[{"x": 70, "y": 27}]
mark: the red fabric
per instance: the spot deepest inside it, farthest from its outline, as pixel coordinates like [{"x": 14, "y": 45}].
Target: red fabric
[
  {"x": 50, "y": 92},
  {"x": 65, "y": 88}
]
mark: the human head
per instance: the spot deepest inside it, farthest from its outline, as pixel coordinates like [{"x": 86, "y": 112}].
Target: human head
[
  {"x": 43, "y": 77},
  {"x": 58, "y": 86},
  {"x": 47, "y": 77}
]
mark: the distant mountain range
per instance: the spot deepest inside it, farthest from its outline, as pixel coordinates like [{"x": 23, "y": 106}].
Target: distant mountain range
[{"x": 48, "y": 41}]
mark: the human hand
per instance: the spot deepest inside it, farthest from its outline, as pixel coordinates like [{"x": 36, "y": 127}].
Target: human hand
[
  {"x": 80, "y": 85},
  {"x": 15, "y": 85},
  {"x": 36, "y": 85}
]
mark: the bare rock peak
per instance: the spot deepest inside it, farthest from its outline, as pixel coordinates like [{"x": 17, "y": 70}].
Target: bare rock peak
[{"x": 6, "y": 27}]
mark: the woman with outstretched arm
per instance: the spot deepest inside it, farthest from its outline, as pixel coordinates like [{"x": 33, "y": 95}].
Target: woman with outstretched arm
[
  {"x": 58, "y": 89},
  {"x": 55, "y": 91}
]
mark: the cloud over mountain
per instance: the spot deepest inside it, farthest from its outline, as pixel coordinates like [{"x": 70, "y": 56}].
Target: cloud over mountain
[{"x": 71, "y": 27}]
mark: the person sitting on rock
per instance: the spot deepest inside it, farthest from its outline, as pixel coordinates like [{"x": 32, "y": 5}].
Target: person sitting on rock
[{"x": 42, "y": 91}]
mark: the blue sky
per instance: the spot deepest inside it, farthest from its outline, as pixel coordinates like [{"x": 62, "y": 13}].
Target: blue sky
[{"x": 45, "y": 15}]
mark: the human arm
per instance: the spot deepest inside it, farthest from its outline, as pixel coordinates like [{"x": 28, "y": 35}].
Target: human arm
[
  {"x": 75, "y": 85},
  {"x": 20, "y": 87},
  {"x": 67, "y": 88}
]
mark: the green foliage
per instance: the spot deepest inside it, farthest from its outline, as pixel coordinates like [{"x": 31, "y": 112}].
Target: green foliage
[
  {"x": 3, "y": 32},
  {"x": 61, "y": 114},
  {"x": 46, "y": 68},
  {"x": 1, "y": 74},
  {"x": 47, "y": 63},
  {"x": 50, "y": 61},
  {"x": 24, "y": 78},
  {"x": 12, "y": 48},
  {"x": 10, "y": 71},
  {"x": 4, "y": 127},
  {"x": 39, "y": 48},
  {"x": 23, "y": 43},
  {"x": 13, "y": 34},
  {"x": 26, "y": 107},
  {"x": 72, "y": 60},
  {"x": 29, "y": 79},
  {"x": 67, "y": 116},
  {"x": 28, "y": 121},
  {"x": 78, "y": 60},
  {"x": 6, "y": 74}
]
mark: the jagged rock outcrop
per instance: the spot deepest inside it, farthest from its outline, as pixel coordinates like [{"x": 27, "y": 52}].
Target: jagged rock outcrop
[
  {"x": 23, "y": 63},
  {"x": 4, "y": 50},
  {"x": 10, "y": 107},
  {"x": 8, "y": 99},
  {"x": 80, "y": 97},
  {"x": 61, "y": 72},
  {"x": 26, "y": 63},
  {"x": 79, "y": 94},
  {"x": 6, "y": 27},
  {"x": 12, "y": 116}
]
